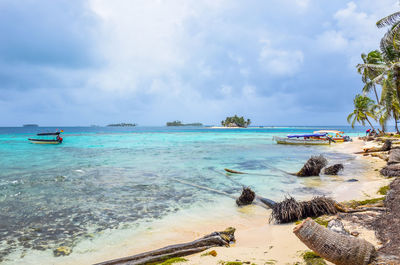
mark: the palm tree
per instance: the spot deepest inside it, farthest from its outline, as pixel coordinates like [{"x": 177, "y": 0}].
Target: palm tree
[
  {"x": 369, "y": 74},
  {"x": 364, "y": 107},
  {"x": 391, "y": 40}
]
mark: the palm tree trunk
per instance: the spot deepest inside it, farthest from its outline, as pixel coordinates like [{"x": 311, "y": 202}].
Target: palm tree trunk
[
  {"x": 376, "y": 95},
  {"x": 370, "y": 124},
  {"x": 334, "y": 247},
  {"x": 395, "y": 123}
]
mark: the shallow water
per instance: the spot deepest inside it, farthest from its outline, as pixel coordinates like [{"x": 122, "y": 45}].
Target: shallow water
[{"x": 121, "y": 178}]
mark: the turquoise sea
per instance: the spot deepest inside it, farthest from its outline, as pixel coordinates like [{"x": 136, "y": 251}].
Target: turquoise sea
[{"x": 121, "y": 178}]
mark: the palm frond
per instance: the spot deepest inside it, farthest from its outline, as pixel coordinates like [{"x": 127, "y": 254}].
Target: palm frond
[
  {"x": 389, "y": 20},
  {"x": 372, "y": 66},
  {"x": 350, "y": 116},
  {"x": 378, "y": 79}
]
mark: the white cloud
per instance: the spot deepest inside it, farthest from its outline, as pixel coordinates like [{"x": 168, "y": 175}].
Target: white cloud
[
  {"x": 332, "y": 41},
  {"x": 249, "y": 91},
  {"x": 354, "y": 29},
  {"x": 302, "y": 3},
  {"x": 226, "y": 90},
  {"x": 280, "y": 62}
]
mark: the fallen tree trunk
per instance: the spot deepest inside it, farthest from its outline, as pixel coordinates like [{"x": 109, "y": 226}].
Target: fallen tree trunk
[
  {"x": 334, "y": 247},
  {"x": 385, "y": 147},
  {"x": 382, "y": 156},
  {"x": 212, "y": 240}
]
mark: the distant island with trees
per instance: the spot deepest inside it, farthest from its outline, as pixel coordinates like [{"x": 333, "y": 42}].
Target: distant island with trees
[
  {"x": 236, "y": 121},
  {"x": 122, "y": 125},
  {"x": 179, "y": 123}
]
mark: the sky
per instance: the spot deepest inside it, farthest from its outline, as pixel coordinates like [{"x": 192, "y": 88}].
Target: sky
[{"x": 277, "y": 62}]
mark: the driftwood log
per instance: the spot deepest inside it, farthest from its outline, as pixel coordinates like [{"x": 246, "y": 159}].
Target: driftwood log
[
  {"x": 334, "y": 247},
  {"x": 215, "y": 239},
  {"x": 313, "y": 166},
  {"x": 233, "y": 171},
  {"x": 381, "y": 155},
  {"x": 387, "y": 145}
]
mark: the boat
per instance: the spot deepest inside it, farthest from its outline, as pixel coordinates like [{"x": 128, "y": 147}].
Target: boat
[
  {"x": 47, "y": 138},
  {"x": 338, "y": 136},
  {"x": 305, "y": 139}
]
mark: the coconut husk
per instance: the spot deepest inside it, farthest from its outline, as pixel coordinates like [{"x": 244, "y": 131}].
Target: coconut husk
[
  {"x": 333, "y": 170},
  {"x": 313, "y": 166},
  {"x": 247, "y": 197},
  {"x": 290, "y": 210}
]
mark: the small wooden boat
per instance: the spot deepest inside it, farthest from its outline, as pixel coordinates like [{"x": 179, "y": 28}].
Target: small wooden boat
[
  {"x": 338, "y": 136},
  {"x": 47, "y": 138},
  {"x": 304, "y": 139}
]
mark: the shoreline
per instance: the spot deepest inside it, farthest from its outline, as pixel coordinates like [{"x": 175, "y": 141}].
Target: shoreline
[{"x": 257, "y": 240}]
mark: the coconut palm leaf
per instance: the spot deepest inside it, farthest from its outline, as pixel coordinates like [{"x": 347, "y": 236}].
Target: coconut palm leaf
[
  {"x": 389, "y": 20},
  {"x": 372, "y": 66}
]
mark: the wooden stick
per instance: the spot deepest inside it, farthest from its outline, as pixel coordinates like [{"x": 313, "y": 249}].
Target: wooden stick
[
  {"x": 212, "y": 240},
  {"x": 204, "y": 188}
]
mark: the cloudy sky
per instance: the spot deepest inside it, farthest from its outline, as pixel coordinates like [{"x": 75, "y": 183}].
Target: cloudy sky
[{"x": 277, "y": 62}]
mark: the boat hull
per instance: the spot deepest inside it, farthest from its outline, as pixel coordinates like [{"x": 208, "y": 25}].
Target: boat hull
[
  {"x": 39, "y": 141},
  {"x": 295, "y": 141}
]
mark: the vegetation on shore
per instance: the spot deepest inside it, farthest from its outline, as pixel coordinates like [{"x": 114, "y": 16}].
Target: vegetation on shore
[
  {"x": 380, "y": 71},
  {"x": 311, "y": 258},
  {"x": 236, "y": 121},
  {"x": 179, "y": 123},
  {"x": 384, "y": 190}
]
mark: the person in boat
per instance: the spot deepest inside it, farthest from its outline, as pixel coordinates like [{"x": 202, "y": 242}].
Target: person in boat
[{"x": 60, "y": 139}]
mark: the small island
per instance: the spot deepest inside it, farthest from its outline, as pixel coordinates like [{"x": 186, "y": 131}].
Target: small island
[
  {"x": 236, "y": 122},
  {"x": 30, "y": 125},
  {"x": 122, "y": 125},
  {"x": 179, "y": 123}
]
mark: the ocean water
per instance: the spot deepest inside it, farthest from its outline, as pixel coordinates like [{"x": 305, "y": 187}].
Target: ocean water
[{"x": 108, "y": 178}]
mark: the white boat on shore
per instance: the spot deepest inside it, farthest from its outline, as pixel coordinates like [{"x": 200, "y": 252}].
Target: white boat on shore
[{"x": 304, "y": 139}]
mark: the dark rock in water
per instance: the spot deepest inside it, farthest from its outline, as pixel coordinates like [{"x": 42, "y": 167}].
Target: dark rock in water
[
  {"x": 337, "y": 226},
  {"x": 387, "y": 145},
  {"x": 392, "y": 170},
  {"x": 352, "y": 180},
  {"x": 333, "y": 170},
  {"x": 394, "y": 156},
  {"x": 246, "y": 198},
  {"x": 313, "y": 166}
]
